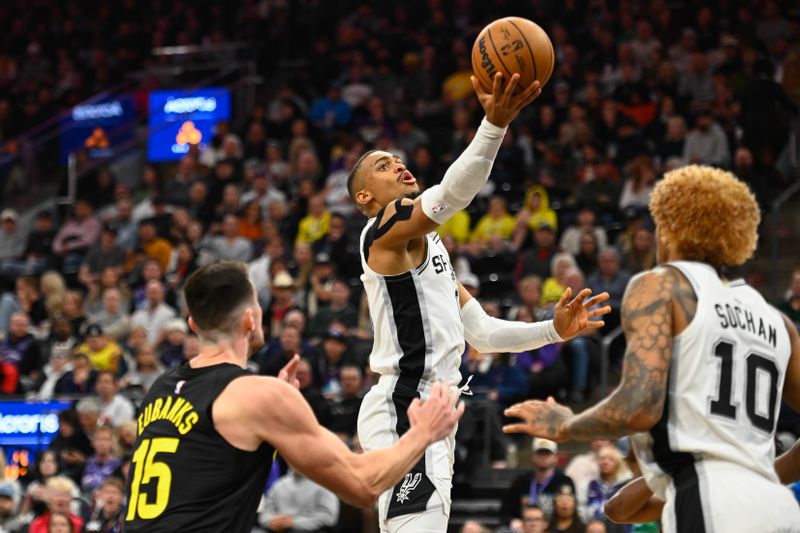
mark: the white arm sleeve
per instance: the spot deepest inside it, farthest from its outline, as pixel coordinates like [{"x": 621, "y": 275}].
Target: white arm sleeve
[
  {"x": 466, "y": 176},
  {"x": 492, "y": 335}
]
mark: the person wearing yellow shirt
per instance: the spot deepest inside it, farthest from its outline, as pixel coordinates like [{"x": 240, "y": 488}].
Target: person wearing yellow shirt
[
  {"x": 103, "y": 353},
  {"x": 536, "y": 212},
  {"x": 494, "y": 229},
  {"x": 555, "y": 285},
  {"x": 456, "y": 226},
  {"x": 316, "y": 223},
  {"x": 154, "y": 246}
]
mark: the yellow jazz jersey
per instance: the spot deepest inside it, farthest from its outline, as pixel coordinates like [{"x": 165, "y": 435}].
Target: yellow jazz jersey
[{"x": 184, "y": 475}]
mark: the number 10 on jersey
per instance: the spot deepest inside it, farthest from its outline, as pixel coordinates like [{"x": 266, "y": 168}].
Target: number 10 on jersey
[{"x": 147, "y": 469}]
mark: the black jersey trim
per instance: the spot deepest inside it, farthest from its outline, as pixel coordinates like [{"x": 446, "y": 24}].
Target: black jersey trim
[{"x": 680, "y": 466}]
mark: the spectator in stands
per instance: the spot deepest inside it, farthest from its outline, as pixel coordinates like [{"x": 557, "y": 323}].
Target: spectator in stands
[
  {"x": 88, "y": 409},
  {"x": 156, "y": 313},
  {"x": 494, "y": 230},
  {"x": 76, "y": 236},
  {"x": 583, "y": 468},
  {"x": 494, "y": 377},
  {"x": 230, "y": 245},
  {"x": 71, "y": 445},
  {"x": 596, "y": 526},
  {"x": 639, "y": 184},
  {"x": 107, "y": 516},
  {"x": 280, "y": 351},
  {"x": 337, "y": 245},
  {"x": 613, "y": 474},
  {"x": 60, "y": 491},
  {"x": 791, "y": 306},
  {"x": 320, "y": 281},
  {"x": 262, "y": 191},
  {"x": 609, "y": 278},
  {"x": 554, "y": 286},
  {"x": 672, "y": 144},
  {"x": 54, "y": 290},
  {"x": 113, "y": 318},
  {"x": 330, "y": 112},
  {"x": 170, "y": 351},
  {"x": 544, "y": 367},
  {"x": 20, "y": 350},
  {"x": 529, "y": 294},
  {"x": 122, "y": 219},
  {"x": 38, "y": 255},
  {"x": 641, "y": 254},
  {"x": 600, "y": 191},
  {"x": 59, "y": 361},
  {"x": 114, "y": 407},
  {"x": 79, "y": 380},
  {"x": 533, "y": 520},
  {"x": 343, "y": 411},
  {"x": 150, "y": 270},
  {"x": 571, "y": 238},
  {"x": 12, "y": 244},
  {"x": 251, "y": 222},
  {"x": 537, "y": 261},
  {"x": 707, "y": 144},
  {"x": 328, "y": 359},
  {"x": 565, "y": 517},
  {"x": 105, "y": 254},
  {"x": 295, "y": 503},
  {"x": 35, "y": 494},
  {"x": 457, "y": 227},
  {"x": 145, "y": 372},
  {"x": 339, "y": 309},
  {"x": 104, "y": 354},
  {"x": 535, "y": 212},
  {"x": 311, "y": 392},
  {"x": 539, "y": 487},
  {"x": 154, "y": 246},
  {"x": 473, "y": 526},
  {"x": 316, "y": 223},
  {"x": 26, "y": 299},
  {"x": 587, "y": 256},
  {"x": 283, "y": 300},
  {"x": 696, "y": 83},
  {"x": 102, "y": 463}
]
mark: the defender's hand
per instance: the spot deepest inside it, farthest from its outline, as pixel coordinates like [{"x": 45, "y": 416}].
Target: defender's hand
[
  {"x": 570, "y": 319},
  {"x": 289, "y": 372},
  {"x": 541, "y": 419},
  {"x": 502, "y": 105},
  {"x": 437, "y": 415}
]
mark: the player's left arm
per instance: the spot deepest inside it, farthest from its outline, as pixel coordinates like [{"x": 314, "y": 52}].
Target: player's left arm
[
  {"x": 787, "y": 465},
  {"x": 647, "y": 314},
  {"x": 634, "y": 504},
  {"x": 489, "y": 335}
]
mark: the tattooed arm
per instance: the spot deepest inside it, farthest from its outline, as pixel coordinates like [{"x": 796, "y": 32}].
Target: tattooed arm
[{"x": 657, "y": 305}]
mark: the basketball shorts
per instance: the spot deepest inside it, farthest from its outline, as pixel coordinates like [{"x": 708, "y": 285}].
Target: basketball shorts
[
  {"x": 426, "y": 488},
  {"x": 723, "y": 498}
]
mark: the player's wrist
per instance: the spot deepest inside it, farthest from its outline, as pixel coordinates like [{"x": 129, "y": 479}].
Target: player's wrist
[{"x": 494, "y": 125}]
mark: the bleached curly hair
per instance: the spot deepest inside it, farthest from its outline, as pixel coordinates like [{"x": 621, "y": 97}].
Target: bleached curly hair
[{"x": 707, "y": 214}]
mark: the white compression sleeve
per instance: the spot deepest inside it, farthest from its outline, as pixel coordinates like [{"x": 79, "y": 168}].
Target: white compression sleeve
[
  {"x": 492, "y": 335},
  {"x": 466, "y": 176}
]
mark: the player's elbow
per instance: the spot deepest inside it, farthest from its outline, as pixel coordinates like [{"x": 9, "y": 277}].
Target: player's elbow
[{"x": 643, "y": 419}]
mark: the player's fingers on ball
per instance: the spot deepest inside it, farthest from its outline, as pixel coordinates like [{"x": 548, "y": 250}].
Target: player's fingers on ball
[
  {"x": 511, "y": 86},
  {"x": 497, "y": 85},
  {"x": 476, "y": 85},
  {"x": 530, "y": 91}
]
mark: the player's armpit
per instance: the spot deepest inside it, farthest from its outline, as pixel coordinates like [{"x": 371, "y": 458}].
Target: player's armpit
[
  {"x": 634, "y": 504},
  {"x": 791, "y": 387},
  {"x": 638, "y": 402},
  {"x": 398, "y": 223}
]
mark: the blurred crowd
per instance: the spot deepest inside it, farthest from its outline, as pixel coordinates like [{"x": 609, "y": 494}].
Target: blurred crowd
[{"x": 91, "y": 306}]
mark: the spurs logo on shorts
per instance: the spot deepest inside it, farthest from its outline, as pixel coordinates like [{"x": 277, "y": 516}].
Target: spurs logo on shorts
[{"x": 409, "y": 484}]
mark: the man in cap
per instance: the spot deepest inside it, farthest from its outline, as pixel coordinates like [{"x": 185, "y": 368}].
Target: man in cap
[{"x": 541, "y": 486}]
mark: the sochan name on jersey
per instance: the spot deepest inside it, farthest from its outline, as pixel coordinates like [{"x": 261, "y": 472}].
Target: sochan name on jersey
[
  {"x": 180, "y": 413},
  {"x": 737, "y": 318}
]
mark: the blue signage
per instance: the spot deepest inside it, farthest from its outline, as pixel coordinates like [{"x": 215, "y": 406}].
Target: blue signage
[
  {"x": 179, "y": 119},
  {"x": 29, "y": 424},
  {"x": 97, "y": 127}
]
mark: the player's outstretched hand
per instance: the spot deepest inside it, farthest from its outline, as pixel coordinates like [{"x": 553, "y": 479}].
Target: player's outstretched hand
[
  {"x": 438, "y": 414},
  {"x": 501, "y": 104},
  {"x": 540, "y": 419},
  {"x": 289, "y": 372},
  {"x": 572, "y": 317}
]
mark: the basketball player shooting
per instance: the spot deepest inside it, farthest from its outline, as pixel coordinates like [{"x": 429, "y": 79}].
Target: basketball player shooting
[
  {"x": 705, "y": 362},
  {"x": 422, "y": 314}
]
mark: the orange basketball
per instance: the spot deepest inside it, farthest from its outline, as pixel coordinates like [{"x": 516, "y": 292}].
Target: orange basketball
[{"x": 513, "y": 45}]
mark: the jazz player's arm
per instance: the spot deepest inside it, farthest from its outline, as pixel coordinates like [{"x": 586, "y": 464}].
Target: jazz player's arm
[
  {"x": 257, "y": 409},
  {"x": 406, "y": 219},
  {"x": 657, "y": 305},
  {"x": 490, "y": 335}
]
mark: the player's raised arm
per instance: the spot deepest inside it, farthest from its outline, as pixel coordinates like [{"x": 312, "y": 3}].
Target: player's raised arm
[
  {"x": 278, "y": 414},
  {"x": 380, "y": 180},
  {"x": 488, "y": 334}
]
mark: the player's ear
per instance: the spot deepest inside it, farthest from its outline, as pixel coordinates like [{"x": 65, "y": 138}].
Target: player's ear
[
  {"x": 248, "y": 320},
  {"x": 192, "y": 325},
  {"x": 363, "y": 197}
]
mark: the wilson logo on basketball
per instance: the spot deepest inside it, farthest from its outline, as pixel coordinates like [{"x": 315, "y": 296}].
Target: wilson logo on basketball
[
  {"x": 510, "y": 48},
  {"x": 486, "y": 61}
]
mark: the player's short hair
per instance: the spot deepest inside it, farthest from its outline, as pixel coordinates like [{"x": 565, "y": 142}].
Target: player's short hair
[
  {"x": 707, "y": 214},
  {"x": 216, "y": 294},
  {"x": 352, "y": 177}
]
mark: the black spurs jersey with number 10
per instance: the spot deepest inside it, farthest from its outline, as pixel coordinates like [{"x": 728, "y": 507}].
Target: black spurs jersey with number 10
[{"x": 184, "y": 475}]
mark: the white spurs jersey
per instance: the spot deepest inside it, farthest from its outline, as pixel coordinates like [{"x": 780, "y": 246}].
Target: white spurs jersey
[
  {"x": 726, "y": 376},
  {"x": 415, "y": 315}
]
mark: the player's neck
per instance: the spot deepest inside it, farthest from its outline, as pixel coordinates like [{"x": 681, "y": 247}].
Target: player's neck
[{"x": 231, "y": 351}]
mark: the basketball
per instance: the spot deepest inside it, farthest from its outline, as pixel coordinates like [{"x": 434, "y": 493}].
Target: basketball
[{"x": 513, "y": 45}]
